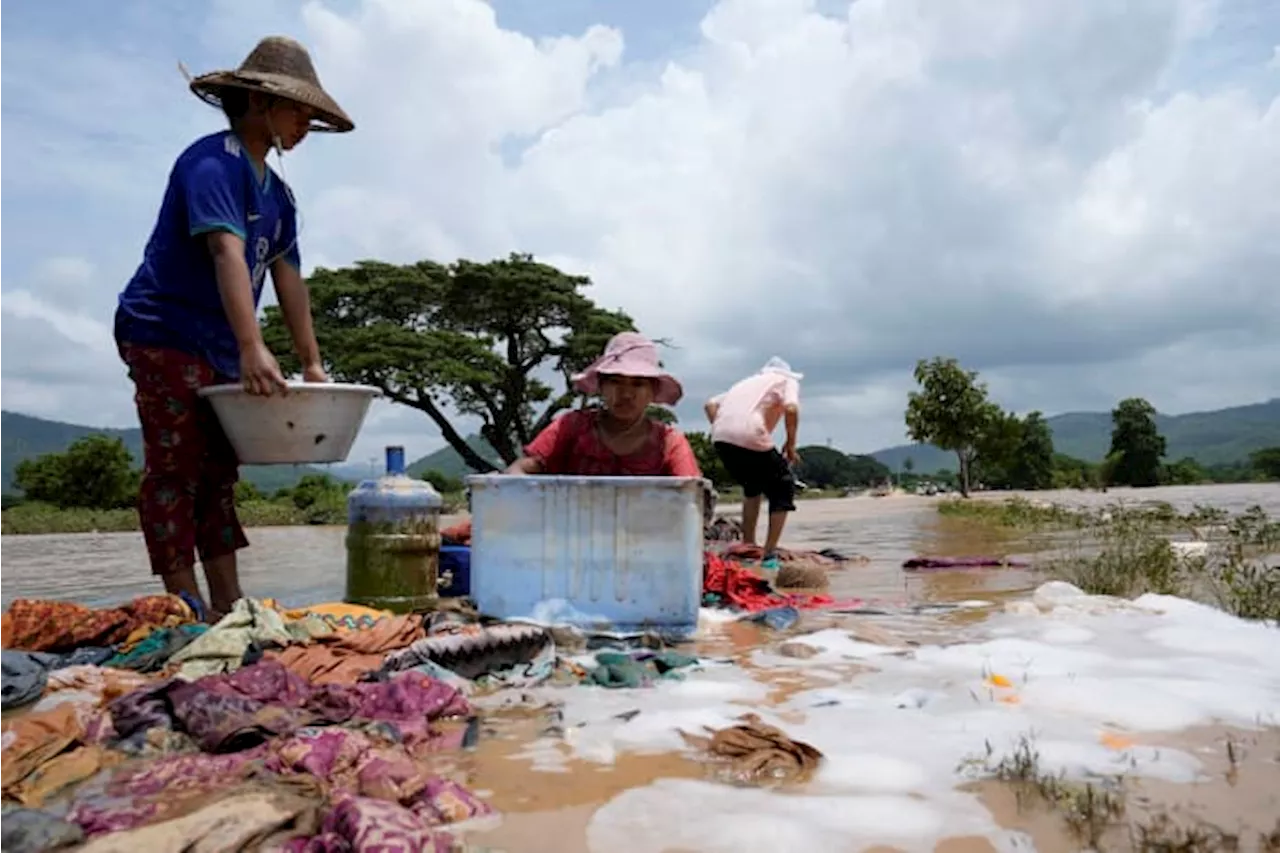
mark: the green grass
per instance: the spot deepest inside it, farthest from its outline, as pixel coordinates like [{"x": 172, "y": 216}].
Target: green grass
[
  {"x": 1127, "y": 550},
  {"x": 1096, "y": 812},
  {"x": 34, "y": 518}
]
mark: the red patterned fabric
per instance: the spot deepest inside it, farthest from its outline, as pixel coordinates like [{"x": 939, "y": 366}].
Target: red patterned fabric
[
  {"x": 458, "y": 534},
  {"x": 187, "y": 499},
  {"x": 572, "y": 445},
  {"x": 738, "y": 586},
  {"x": 40, "y": 625}
]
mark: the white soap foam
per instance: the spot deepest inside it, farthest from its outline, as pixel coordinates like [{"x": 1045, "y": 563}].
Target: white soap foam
[
  {"x": 1066, "y": 634},
  {"x": 899, "y": 739}
]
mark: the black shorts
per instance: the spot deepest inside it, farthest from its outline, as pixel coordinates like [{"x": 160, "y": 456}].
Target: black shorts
[{"x": 760, "y": 472}]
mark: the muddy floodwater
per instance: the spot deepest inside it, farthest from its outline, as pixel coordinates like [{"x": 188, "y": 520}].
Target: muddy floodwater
[
  {"x": 301, "y": 565},
  {"x": 560, "y": 809}
]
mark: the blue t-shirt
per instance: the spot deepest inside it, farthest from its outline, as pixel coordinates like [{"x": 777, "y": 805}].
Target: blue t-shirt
[{"x": 172, "y": 301}]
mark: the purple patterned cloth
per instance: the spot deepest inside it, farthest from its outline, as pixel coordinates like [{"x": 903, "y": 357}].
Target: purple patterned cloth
[
  {"x": 365, "y": 824},
  {"x": 228, "y": 713},
  {"x": 379, "y": 791},
  {"x": 144, "y": 792}
]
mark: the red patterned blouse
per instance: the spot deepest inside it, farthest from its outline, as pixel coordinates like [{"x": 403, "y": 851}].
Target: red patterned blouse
[{"x": 572, "y": 445}]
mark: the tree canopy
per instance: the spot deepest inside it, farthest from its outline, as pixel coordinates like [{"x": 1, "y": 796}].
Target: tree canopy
[
  {"x": 708, "y": 460},
  {"x": 1267, "y": 462},
  {"x": 1137, "y": 443},
  {"x": 478, "y": 337},
  {"x": 828, "y": 468},
  {"x": 951, "y": 411},
  {"x": 95, "y": 472}
]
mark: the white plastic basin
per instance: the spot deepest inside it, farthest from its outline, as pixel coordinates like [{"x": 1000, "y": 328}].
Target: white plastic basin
[{"x": 312, "y": 422}]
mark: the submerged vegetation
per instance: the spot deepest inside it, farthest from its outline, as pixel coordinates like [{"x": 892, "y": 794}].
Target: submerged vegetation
[
  {"x": 1097, "y": 811},
  {"x": 1232, "y": 561}
]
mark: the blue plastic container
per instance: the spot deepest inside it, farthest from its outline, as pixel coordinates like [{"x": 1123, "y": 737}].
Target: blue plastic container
[
  {"x": 600, "y": 553},
  {"x": 455, "y": 571},
  {"x": 393, "y": 540}
]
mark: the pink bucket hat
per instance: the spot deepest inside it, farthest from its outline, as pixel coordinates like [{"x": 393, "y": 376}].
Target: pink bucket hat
[{"x": 630, "y": 354}]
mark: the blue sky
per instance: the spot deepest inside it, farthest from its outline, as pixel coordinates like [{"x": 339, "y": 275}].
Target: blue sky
[{"x": 1079, "y": 200}]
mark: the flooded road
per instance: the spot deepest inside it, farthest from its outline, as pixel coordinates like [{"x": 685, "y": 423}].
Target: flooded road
[
  {"x": 581, "y": 804},
  {"x": 301, "y": 565}
]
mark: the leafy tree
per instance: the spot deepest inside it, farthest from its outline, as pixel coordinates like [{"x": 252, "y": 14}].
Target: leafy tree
[
  {"x": 95, "y": 472},
  {"x": 1032, "y": 466},
  {"x": 1138, "y": 442},
  {"x": 996, "y": 447},
  {"x": 662, "y": 415},
  {"x": 1184, "y": 472},
  {"x": 828, "y": 468},
  {"x": 1072, "y": 473},
  {"x": 1107, "y": 469},
  {"x": 312, "y": 489},
  {"x": 477, "y": 336},
  {"x": 1266, "y": 462},
  {"x": 908, "y": 464},
  {"x": 867, "y": 471},
  {"x": 247, "y": 492},
  {"x": 708, "y": 460},
  {"x": 950, "y": 411},
  {"x": 443, "y": 483}
]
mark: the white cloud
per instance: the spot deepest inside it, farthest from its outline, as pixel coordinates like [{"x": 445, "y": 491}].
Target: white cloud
[{"x": 1013, "y": 183}]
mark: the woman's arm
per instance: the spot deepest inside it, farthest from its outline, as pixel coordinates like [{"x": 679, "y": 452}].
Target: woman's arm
[
  {"x": 526, "y": 465},
  {"x": 678, "y": 459},
  {"x": 712, "y": 408},
  {"x": 295, "y": 307}
]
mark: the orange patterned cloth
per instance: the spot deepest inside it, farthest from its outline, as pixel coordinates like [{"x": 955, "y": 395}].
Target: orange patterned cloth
[
  {"x": 39, "y": 625},
  {"x": 30, "y": 741},
  {"x": 343, "y": 657}
]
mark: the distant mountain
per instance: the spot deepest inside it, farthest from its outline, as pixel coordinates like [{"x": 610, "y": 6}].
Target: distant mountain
[
  {"x": 449, "y": 462},
  {"x": 1223, "y": 436},
  {"x": 24, "y": 437},
  {"x": 1211, "y": 438},
  {"x": 445, "y": 460}
]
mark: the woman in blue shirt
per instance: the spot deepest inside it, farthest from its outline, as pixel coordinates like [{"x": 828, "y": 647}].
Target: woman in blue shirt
[{"x": 188, "y": 317}]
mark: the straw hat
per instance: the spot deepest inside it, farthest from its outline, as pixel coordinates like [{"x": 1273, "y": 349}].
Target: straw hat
[{"x": 281, "y": 67}]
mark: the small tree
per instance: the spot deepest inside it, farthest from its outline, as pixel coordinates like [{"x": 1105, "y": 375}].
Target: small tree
[
  {"x": 1266, "y": 462},
  {"x": 1137, "y": 442},
  {"x": 950, "y": 411},
  {"x": 1033, "y": 459},
  {"x": 828, "y": 468},
  {"x": 708, "y": 460},
  {"x": 247, "y": 492},
  {"x": 1185, "y": 472},
  {"x": 443, "y": 483},
  {"x": 95, "y": 472}
]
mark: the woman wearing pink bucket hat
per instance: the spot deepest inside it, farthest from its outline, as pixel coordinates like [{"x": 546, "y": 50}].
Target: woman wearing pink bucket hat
[{"x": 618, "y": 439}]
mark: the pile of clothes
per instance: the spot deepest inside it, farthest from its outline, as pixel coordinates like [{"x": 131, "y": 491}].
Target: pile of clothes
[
  {"x": 307, "y": 730},
  {"x": 731, "y": 577}
]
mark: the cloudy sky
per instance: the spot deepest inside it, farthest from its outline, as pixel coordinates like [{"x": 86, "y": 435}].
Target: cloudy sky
[{"x": 1081, "y": 200}]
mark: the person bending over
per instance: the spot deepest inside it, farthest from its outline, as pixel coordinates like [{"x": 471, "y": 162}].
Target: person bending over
[{"x": 743, "y": 420}]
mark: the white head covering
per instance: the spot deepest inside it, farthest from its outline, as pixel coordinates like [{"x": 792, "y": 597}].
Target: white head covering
[{"x": 777, "y": 365}]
